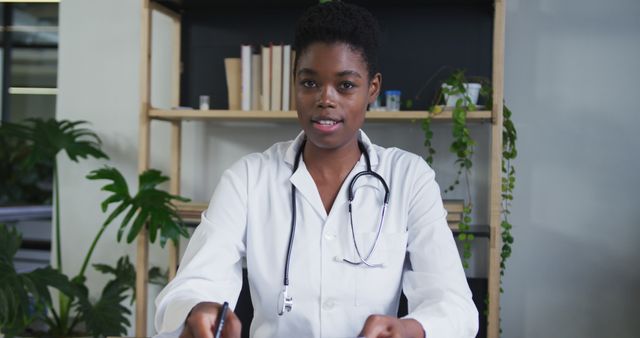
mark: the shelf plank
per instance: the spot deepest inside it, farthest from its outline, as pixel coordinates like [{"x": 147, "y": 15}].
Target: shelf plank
[
  {"x": 476, "y": 230},
  {"x": 258, "y": 115},
  {"x": 190, "y": 213}
]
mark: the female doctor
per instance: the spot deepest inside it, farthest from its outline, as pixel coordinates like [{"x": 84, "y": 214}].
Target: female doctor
[{"x": 332, "y": 226}]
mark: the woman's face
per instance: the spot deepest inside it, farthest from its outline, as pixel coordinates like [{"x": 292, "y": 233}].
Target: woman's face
[{"x": 333, "y": 90}]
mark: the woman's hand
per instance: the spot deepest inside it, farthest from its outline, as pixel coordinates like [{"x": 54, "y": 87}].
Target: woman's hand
[
  {"x": 202, "y": 319},
  {"x": 378, "y": 326}
]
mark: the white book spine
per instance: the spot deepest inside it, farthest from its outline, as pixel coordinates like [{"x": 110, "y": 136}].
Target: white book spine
[
  {"x": 286, "y": 76},
  {"x": 245, "y": 55},
  {"x": 276, "y": 77},
  {"x": 265, "y": 91}
]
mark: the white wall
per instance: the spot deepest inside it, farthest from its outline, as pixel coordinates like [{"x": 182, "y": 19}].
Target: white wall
[
  {"x": 571, "y": 69},
  {"x": 98, "y": 82}
]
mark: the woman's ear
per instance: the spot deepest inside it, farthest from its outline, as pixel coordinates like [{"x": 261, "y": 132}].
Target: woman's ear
[{"x": 374, "y": 87}]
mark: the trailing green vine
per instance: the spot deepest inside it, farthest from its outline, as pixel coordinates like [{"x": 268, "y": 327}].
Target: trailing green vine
[
  {"x": 509, "y": 153},
  {"x": 508, "y": 179},
  {"x": 428, "y": 136},
  {"x": 462, "y": 146}
]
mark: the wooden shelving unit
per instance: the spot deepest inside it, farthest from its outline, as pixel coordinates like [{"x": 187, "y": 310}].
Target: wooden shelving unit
[
  {"x": 176, "y": 117},
  {"x": 258, "y": 115}
]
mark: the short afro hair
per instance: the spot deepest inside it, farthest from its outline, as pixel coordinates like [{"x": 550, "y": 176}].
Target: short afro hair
[{"x": 336, "y": 21}]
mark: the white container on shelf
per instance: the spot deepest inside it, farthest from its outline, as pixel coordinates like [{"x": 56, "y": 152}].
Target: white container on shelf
[
  {"x": 473, "y": 90},
  {"x": 392, "y": 100}
]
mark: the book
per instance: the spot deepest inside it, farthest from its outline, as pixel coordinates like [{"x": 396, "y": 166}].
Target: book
[
  {"x": 454, "y": 205},
  {"x": 292, "y": 101},
  {"x": 276, "y": 77},
  {"x": 233, "y": 73},
  {"x": 265, "y": 90},
  {"x": 256, "y": 81},
  {"x": 454, "y": 217},
  {"x": 286, "y": 76},
  {"x": 245, "y": 56},
  {"x": 190, "y": 212}
]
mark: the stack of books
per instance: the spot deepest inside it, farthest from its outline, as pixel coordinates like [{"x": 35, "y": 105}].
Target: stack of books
[
  {"x": 454, "y": 213},
  {"x": 190, "y": 212},
  {"x": 261, "y": 79}
]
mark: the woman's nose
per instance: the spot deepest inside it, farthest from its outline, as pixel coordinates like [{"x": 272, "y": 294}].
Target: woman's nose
[{"x": 326, "y": 98}]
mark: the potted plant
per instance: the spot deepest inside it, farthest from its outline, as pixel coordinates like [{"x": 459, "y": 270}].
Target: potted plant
[
  {"x": 27, "y": 295},
  {"x": 458, "y": 87}
]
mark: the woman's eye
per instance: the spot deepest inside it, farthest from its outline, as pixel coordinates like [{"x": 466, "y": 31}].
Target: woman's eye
[
  {"x": 309, "y": 83},
  {"x": 346, "y": 85}
]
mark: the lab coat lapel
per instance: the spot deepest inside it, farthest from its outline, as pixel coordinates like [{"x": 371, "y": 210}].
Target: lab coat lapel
[{"x": 306, "y": 188}]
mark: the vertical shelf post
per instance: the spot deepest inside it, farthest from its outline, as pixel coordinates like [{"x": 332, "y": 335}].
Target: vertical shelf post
[
  {"x": 493, "y": 327},
  {"x": 142, "y": 256},
  {"x": 176, "y": 129}
]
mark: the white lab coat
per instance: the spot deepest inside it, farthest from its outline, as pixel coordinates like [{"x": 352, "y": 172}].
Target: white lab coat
[{"x": 249, "y": 217}]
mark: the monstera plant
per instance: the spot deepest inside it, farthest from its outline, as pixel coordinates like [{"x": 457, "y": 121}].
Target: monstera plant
[{"x": 25, "y": 297}]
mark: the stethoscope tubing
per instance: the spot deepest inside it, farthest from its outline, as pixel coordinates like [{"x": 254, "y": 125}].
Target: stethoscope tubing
[{"x": 287, "y": 301}]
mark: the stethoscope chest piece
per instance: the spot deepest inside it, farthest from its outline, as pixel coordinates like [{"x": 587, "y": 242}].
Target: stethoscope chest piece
[{"x": 285, "y": 302}]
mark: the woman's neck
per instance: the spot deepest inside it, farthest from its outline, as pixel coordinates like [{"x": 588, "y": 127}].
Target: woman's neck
[{"x": 331, "y": 163}]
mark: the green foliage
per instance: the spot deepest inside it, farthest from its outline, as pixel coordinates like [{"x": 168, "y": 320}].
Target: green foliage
[
  {"x": 508, "y": 180},
  {"x": 428, "y": 136},
  {"x": 462, "y": 146},
  {"x": 24, "y": 296},
  {"x": 107, "y": 316},
  {"x": 124, "y": 272},
  {"x": 44, "y": 139},
  {"x": 509, "y": 153},
  {"x": 47, "y": 138},
  {"x": 150, "y": 205},
  {"x": 21, "y": 184}
]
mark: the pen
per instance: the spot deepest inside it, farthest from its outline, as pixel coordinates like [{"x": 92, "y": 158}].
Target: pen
[{"x": 217, "y": 333}]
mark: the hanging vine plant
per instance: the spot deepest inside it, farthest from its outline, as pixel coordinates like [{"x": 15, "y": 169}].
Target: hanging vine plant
[
  {"x": 508, "y": 179},
  {"x": 509, "y": 153},
  {"x": 462, "y": 146}
]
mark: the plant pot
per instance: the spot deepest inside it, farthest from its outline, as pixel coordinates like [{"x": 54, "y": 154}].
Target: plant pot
[{"x": 472, "y": 89}]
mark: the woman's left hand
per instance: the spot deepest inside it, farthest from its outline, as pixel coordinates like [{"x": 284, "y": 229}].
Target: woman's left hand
[{"x": 379, "y": 326}]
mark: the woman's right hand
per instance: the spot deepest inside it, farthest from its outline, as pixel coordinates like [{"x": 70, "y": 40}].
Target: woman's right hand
[{"x": 202, "y": 319}]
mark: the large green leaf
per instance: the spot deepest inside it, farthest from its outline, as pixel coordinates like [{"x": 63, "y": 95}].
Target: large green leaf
[
  {"x": 124, "y": 272},
  {"x": 150, "y": 206},
  {"x": 107, "y": 316},
  {"x": 48, "y": 137}
]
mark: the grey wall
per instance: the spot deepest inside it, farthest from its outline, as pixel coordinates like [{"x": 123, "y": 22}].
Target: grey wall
[{"x": 571, "y": 74}]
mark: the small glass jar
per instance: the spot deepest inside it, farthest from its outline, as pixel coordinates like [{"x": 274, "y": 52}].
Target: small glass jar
[
  {"x": 204, "y": 102},
  {"x": 393, "y": 100}
]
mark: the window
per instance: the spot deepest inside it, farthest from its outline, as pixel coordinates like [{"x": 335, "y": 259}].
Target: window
[{"x": 29, "y": 60}]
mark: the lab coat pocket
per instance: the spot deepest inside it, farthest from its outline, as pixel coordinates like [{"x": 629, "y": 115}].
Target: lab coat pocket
[{"x": 380, "y": 285}]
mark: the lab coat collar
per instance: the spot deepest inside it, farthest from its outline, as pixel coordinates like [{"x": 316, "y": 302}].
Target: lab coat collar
[{"x": 290, "y": 154}]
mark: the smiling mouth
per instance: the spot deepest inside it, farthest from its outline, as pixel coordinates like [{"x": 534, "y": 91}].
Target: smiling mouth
[
  {"x": 325, "y": 125},
  {"x": 325, "y": 121}
]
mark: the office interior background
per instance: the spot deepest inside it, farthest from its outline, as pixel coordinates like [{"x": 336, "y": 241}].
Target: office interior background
[{"x": 571, "y": 79}]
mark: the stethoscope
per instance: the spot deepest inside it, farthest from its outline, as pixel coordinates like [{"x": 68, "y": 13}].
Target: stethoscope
[{"x": 285, "y": 301}]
